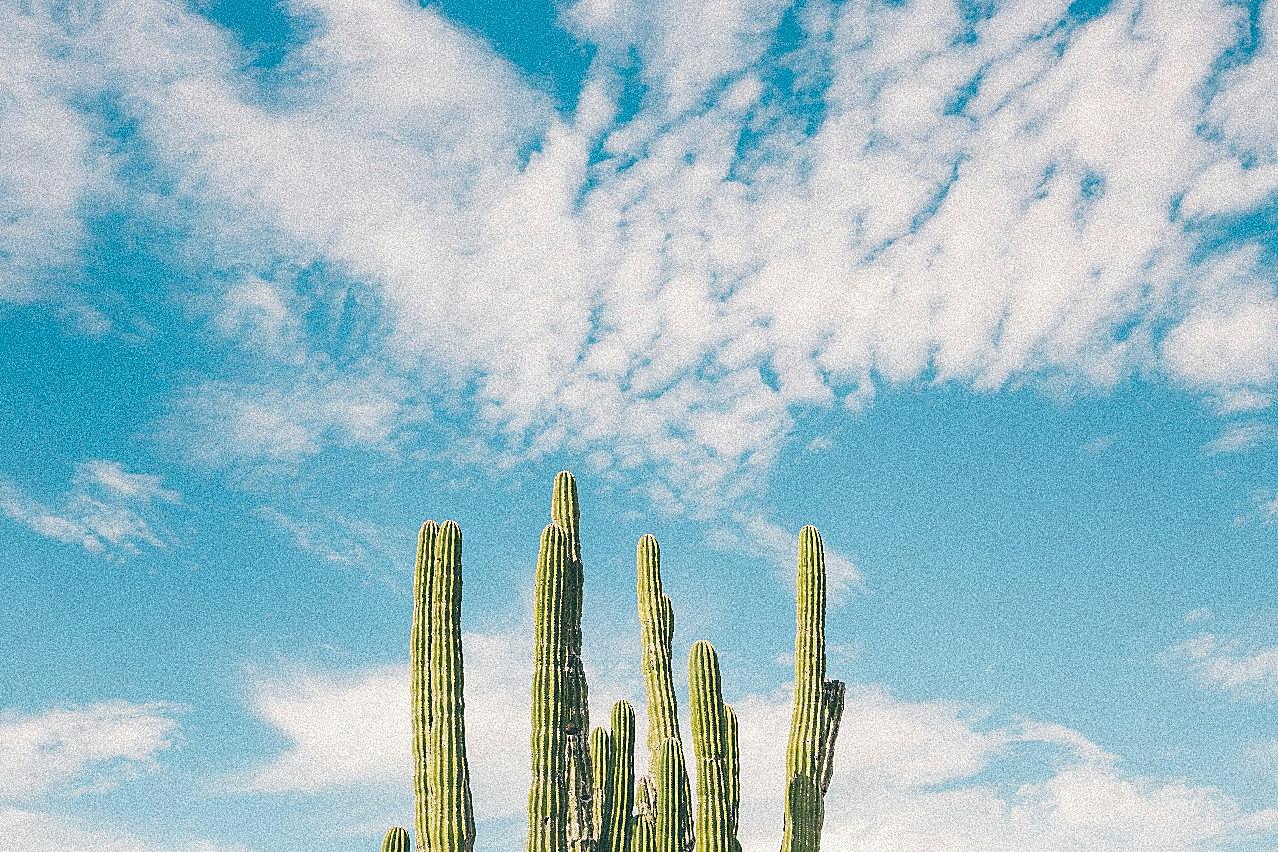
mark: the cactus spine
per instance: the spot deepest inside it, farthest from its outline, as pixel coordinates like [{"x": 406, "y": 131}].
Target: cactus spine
[
  {"x": 419, "y": 652},
  {"x": 714, "y": 829},
  {"x": 818, "y": 705},
  {"x": 656, "y": 623},
  {"x": 396, "y": 840},
  {"x": 616, "y": 836},
  {"x": 451, "y": 821},
  {"x": 548, "y": 793}
]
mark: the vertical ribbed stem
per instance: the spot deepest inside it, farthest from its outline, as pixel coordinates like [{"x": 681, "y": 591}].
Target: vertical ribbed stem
[
  {"x": 656, "y": 627},
  {"x": 548, "y": 792},
  {"x": 580, "y": 806},
  {"x": 645, "y": 827},
  {"x": 734, "y": 773},
  {"x": 710, "y": 747},
  {"x": 617, "y": 835},
  {"x": 602, "y": 759},
  {"x": 566, "y": 512},
  {"x": 396, "y": 840},
  {"x": 420, "y": 686},
  {"x": 452, "y": 821},
  {"x": 817, "y": 704},
  {"x": 672, "y": 800}
]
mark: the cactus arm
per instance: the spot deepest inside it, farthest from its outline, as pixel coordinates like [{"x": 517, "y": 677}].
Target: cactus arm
[
  {"x": 645, "y": 825},
  {"x": 818, "y": 705},
  {"x": 548, "y": 792},
  {"x": 617, "y": 836},
  {"x": 396, "y": 840},
  {"x": 452, "y": 821},
  {"x": 710, "y": 746},
  {"x": 420, "y": 686}
]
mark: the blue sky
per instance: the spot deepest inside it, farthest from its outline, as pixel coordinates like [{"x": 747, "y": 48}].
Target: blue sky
[{"x": 987, "y": 291}]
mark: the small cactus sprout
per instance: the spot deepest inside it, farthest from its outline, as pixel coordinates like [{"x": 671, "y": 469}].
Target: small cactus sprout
[
  {"x": 396, "y": 840},
  {"x": 601, "y": 761}
]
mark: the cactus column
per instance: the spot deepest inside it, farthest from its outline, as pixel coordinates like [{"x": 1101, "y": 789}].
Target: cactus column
[
  {"x": 451, "y": 822},
  {"x": 548, "y": 793},
  {"x": 714, "y": 829},
  {"x": 616, "y": 835},
  {"x": 818, "y": 705},
  {"x": 672, "y": 797},
  {"x": 656, "y": 627},
  {"x": 419, "y": 651}
]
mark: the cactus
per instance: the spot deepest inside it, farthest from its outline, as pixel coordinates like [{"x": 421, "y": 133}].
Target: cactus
[
  {"x": 672, "y": 798},
  {"x": 451, "y": 815},
  {"x": 601, "y": 760},
  {"x": 396, "y": 840},
  {"x": 548, "y": 793},
  {"x": 581, "y": 836},
  {"x": 566, "y": 512},
  {"x": 714, "y": 828},
  {"x": 419, "y": 653},
  {"x": 733, "y": 736},
  {"x": 656, "y": 622},
  {"x": 616, "y": 834},
  {"x": 818, "y": 705},
  {"x": 645, "y": 825}
]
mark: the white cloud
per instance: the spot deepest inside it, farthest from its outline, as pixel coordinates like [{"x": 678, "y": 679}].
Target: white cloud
[
  {"x": 1243, "y": 670},
  {"x": 757, "y": 535},
  {"x": 88, "y": 746},
  {"x": 1241, "y": 437},
  {"x": 101, "y": 510},
  {"x": 908, "y": 776},
  {"x": 986, "y": 203}
]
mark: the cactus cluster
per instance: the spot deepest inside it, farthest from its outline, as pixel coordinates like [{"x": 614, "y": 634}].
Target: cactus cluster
[{"x": 585, "y": 795}]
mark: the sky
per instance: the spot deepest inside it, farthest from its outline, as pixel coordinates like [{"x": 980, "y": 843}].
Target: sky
[{"x": 987, "y": 291}]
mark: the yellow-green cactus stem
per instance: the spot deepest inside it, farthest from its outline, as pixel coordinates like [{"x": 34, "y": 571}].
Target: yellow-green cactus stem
[
  {"x": 396, "y": 840},
  {"x": 548, "y": 792},
  {"x": 818, "y": 707},
  {"x": 644, "y": 833},
  {"x": 656, "y": 629},
  {"x": 601, "y": 772},
  {"x": 565, "y": 510},
  {"x": 714, "y": 831},
  {"x": 672, "y": 801},
  {"x": 419, "y": 653},
  {"x": 452, "y": 820},
  {"x": 734, "y": 773},
  {"x": 581, "y": 836},
  {"x": 618, "y": 821}
]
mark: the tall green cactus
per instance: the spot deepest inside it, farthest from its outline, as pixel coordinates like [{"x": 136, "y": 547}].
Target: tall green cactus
[
  {"x": 672, "y": 797},
  {"x": 566, "y": 512},
  {"x": 419, "y": 654},
  {"x": 616, "y": 835},
  {"x": 451, "y": 820},
  {"x": 656, "y": 623},
  {"x": 714, "y": 826},
  {"x": 818, "y": 705},
  {"x": 548, "y": 793},
  {"x": 396, "y": 840}
]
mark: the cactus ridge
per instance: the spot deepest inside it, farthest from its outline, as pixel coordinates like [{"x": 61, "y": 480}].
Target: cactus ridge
[
  {"x": 452, "y": 821},
  {"x": 396, "y": 840}
]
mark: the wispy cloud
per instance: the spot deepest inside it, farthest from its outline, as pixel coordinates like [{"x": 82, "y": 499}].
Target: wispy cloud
[
  {"x": 34, "y": 831},
  {"x": 1241, "y": 437},
  {"x": 770, "y": 230},
  {"x": 90, "y": 746},
  {"x": 1241, "y": 669},
  {"x": 101, "y": 511}
]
